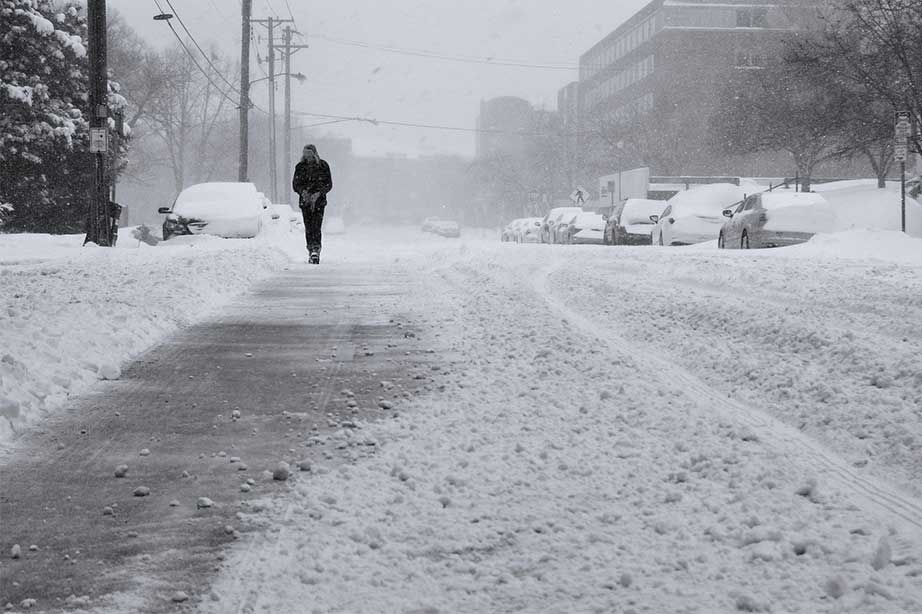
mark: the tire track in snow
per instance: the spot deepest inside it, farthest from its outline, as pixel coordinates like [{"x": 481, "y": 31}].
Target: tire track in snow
[{"x": 903, "y": 508}]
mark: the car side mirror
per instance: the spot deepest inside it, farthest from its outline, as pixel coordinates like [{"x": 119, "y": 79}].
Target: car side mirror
[
  {"x": 728, "y": 213},
  {"x": 163, "y": 210},
  {"x": 654, "y": 218}
]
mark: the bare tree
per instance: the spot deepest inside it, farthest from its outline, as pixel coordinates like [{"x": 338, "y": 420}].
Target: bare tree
[
  {"x": 192, "y": 117},
  {"x": 877, "y": 46}
]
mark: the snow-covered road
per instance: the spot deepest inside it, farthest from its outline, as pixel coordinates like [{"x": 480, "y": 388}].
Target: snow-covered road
[{"x": 625, "y": 430}]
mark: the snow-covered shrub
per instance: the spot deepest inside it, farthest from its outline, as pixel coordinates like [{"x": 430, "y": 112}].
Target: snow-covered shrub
[{"x": 44, "y": 133}]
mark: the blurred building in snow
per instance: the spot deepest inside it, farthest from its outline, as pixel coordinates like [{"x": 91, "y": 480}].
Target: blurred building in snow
[
  {"x": 497, "y": 124},
  {"x": 660, "y": 74}
]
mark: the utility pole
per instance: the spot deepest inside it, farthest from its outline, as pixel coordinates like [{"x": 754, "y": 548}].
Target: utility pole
[
  {"x": 273, "y": 148},
  {"x": 271, "y": 24},
  {"x": 243, "y": 164},
  {"x": 290, "y": 50},
  {"x": 98, "y": 229}
]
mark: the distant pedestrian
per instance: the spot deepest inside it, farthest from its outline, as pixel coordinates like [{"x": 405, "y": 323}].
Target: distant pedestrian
[{"x": 312, "y": 181}]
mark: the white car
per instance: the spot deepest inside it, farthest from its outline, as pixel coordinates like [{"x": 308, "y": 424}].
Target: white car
[
  {"x": 528, "y": 231},
  {"x": 776, "y": 219},
  {"x": 229, "y": 210},
  {"x": 285, "y": 216},
  {"x": 584, "y": 229},
  {"x": 447, "y": 228},
  {"x": 554, "y": 217},
  {"x": 695, "y": 215}
]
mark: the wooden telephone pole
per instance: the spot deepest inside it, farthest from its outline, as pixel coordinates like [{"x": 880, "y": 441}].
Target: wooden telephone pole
[
  {"x": 289, "y": 50},
  {"x": 99, "y": 227},
  {"x": 243, "y": 162},
  {"x": 271, "y": 24}
]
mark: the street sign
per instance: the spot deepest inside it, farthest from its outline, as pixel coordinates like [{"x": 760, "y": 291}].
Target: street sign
[
  {"x": 99, "y": 140},
  {"x": 903, "y": 124},
  {"x": 900, "y": 151},
  {"x": 579, "y": 195}
]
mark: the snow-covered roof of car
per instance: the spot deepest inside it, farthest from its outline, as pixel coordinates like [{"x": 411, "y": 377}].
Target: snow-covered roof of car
[
  {"x": 639, "y": 210},
  {"x": 776, "y": 200},
  {"x": 218, "y": 200},
  {"x": 707, "y": 200}
]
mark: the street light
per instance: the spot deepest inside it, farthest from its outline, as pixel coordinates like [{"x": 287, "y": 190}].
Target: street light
[{"x": 297, "y": 76}]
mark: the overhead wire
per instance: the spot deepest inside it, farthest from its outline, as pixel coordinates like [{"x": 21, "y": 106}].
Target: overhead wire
[
  {"x": 376, "y": 122},
  {"x": 440, "y": 56},
  {"x": 202, "y": 51},
  {"x": 192, "y": 57},
  {"x": 199, "y": 66}
]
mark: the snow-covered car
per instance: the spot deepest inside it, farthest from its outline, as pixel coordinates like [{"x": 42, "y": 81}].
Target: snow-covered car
[
  {"x": 229, "y": 210},
  {"x": 510, "y": 232},
  {"x": 695, "y": 215},
  {"x": 529, "y": 231},
  {"x": 429, "y": 224},
  {"x": 552, "y": 219},
  {"x": 583, "y": 229},
  {"x": 284, "y": 216},
  {"x": 776, "y": 219},
  {"x": 631, "y": 225},
  {"x": 447, "y": 228}
]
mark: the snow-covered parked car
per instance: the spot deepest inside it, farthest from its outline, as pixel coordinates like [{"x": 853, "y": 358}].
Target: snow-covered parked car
[
  {"x": 695, "y": 215},
  {"x": 529, "y": 231},
  {"x": 285, "y": 217},
  {"x": 555, "y": 217},
  {"x": 776, "y": 219},
  {"x": 447, "y": 228},
  {"x": 584, "y": 229},
  {"x": 429, "y": 224},
  {"x": 229, "y": 210},
  {"x": 510, "y": 231},
  {"x": 632, "y": 224}
]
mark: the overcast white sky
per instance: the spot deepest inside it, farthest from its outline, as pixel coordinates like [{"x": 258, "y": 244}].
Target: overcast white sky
[{"x": 354, "y": 81}]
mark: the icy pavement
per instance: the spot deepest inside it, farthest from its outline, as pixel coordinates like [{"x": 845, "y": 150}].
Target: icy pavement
[
  {"x": 624, "y": 430},
  {"x": 71, "y": 316}
]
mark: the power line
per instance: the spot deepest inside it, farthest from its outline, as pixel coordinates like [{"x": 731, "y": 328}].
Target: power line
[
  {"x": 373, "y": 121},
  {"x": 197, "y": 46},
  {"x": 439, "y": 56},
  {"x": 288, "y": 6},
  {"x": 199, "y": 66},
  {"x": 192, "y": 57}
]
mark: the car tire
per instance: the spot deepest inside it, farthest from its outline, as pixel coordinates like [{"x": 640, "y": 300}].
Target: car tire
[{"x": 744, "y": 240}]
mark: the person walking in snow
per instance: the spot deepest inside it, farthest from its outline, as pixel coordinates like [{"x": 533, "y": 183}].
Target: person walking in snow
[{"x": 312, "y": 181}]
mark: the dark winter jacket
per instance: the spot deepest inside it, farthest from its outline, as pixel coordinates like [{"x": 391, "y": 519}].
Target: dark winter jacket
[{"x": 315, "y": 178}]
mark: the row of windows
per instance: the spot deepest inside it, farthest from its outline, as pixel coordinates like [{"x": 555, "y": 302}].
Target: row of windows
[
  {"x": 619, "y": 81},
  {"x": 631, "y": 111},
  {"x": 617, "y": 48},
  {"x": 723, "y": 17}
]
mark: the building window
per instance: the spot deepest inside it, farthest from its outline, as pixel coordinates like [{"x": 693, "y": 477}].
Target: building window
[{"x": 752, "y": 18}]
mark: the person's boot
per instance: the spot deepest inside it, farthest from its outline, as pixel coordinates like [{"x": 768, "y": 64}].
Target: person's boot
[{"x": 315, "y": 258}]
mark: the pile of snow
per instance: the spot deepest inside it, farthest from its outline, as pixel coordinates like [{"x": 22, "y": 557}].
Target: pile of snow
[
  {"x": 860, "y": 204},
  {"x": 868, "y": 245},
  {"x": 72, "y": 315}
]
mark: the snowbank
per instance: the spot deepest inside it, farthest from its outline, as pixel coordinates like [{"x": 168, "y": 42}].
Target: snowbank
[{"x": 70, "y": 316}]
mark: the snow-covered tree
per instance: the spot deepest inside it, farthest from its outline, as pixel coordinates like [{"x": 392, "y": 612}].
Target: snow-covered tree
[{"x": 43, "y": 105}]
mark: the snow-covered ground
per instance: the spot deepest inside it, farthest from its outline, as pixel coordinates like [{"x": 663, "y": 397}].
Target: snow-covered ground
[
  {"x": 604, "y": 429},
  {"x": 70, "y": 315},
  {"x": 623, "y": 430}
]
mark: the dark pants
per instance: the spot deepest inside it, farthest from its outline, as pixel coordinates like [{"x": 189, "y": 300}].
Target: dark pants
[{"x": 313, "y": 221}]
